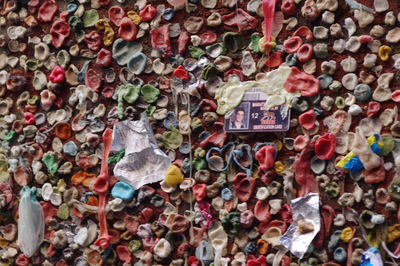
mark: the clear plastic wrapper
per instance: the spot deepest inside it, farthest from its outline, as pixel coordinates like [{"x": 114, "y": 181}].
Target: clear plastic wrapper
[{"x": 30, "y": 222}]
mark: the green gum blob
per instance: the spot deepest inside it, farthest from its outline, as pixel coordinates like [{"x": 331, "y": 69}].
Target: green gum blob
[
  {"x": 11, "y": 136},
  {"x": 90, "y": 17},
  {"x": 199, "y": 163},
  {"x": 63, "y": 211},
  {"x": 134, "y": 245},
  {"x": 39, "y": 80},
  {"x": 120, "y": 106},
  {"x": 231, "y": 223},
  {"x": 33, "y": 100},
  {"x": 129, "y": 92},
  {"x": 116, "y": 157},
  {"x": 51, "y": 163},
  {"x": 339, "y": 102},
  {"x": 150, "y": 110},
  {"x": 388, "y": 144},
  {"x": 196, "y": 52},
  {"x": 332, "y": 190},
  {"x": 196, "y": 123},
  {"x": 63, "y": 58},
  {"x": 172, "y": 139},
  {"x": 150, "y": 93},
  {"x": 254, "y": 43}
]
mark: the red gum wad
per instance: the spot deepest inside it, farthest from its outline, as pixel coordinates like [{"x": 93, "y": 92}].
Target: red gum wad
[
  {"x": 47, "y": 11},
  {"x": 59, "y": 31},
  {"x": 127, "y": 29},
  {"x": 241, "y": 19},
  {"x": 266, "y": 157},
  {"x": 116, "y": 14},
  {"x": 307, "y": 119},
  {"x": 305, "y": 53},
  {"x": 288, "y": 7},
  {"x": 325, "y": 146},
  {"x": 244, "y": 187},
  {"x": 261, "y": 211},
  {"x": 57, "y": 75},
  {"x": 292, "y": 44},
  {"x": 148, "y": 13},
  {"x": 160, "y": 39},
  {"x": 303, "y": 175},
  {"x": 373, "y": 108},
  {"x": 307, "y": 84},
  {"x": 183, "y": 41}
]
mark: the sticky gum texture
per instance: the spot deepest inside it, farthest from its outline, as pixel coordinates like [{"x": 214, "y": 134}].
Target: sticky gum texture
[{"x": 9, "y": 215}]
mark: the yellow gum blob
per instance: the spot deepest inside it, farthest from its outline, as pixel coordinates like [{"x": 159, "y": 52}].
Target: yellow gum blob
[{"x": 174, "y": 176}]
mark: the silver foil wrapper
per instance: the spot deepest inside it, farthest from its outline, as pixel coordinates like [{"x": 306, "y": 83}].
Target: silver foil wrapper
[
  {"x": 144, "y": 162},
  {"x": 305, "y": 209}
]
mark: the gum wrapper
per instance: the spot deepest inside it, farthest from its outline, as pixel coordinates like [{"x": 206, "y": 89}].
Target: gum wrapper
[
  {"x": 144, "y": 162},
  {"x": 371, "y": 257},
  {"x": 305, "y": 208}
]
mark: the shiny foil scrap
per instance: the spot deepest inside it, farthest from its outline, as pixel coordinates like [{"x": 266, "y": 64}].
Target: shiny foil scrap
[
  {"x": 144, "y": 162},
  {"x": 305, "y": 210}
]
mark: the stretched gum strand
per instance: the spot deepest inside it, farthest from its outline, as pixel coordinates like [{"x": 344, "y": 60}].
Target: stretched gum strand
[
  {"x": 51, "y": 246},
  {"x": 269, "y": 10},
  {"x": 4, "y": 12},
  {"x": 327, "y": 213},
  {"x": 350, "y": 249},
  {"x": 104, "y": 238}
]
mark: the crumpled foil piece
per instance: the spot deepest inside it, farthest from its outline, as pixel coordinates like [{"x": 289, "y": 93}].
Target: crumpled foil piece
[
  {"x": 144, "y": 162},
  {"x": 304, "y": 209}
]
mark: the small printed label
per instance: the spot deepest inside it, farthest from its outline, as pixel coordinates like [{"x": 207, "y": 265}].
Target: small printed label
[{"x": 251, "y": 116}]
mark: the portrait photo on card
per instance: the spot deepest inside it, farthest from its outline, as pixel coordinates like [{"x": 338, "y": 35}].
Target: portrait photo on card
[{"x": 240, "y": 117}]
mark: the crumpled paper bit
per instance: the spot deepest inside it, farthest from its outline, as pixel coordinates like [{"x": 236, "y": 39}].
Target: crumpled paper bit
[
  {"x": 144, "y": 162},
  {"x": 305, "y": 226}
]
